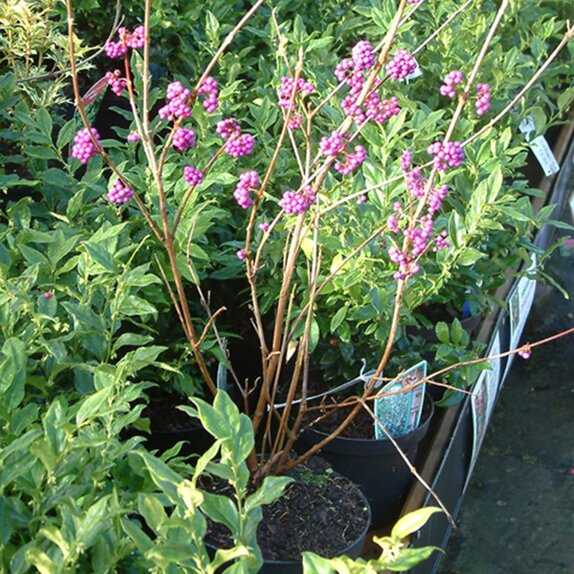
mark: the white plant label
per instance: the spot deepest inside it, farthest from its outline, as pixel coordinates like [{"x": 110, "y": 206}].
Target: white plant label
[
  {"x": 415, "y": 74},
  {"x": 540, "y": 147},
  {"x": 544, "y": 156}
]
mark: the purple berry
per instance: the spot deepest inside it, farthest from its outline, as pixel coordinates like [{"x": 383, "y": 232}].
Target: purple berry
[
  {"x": 192, "y": 175},
  {"x": 401, "y": 65},
  {"x": 84, "y": 148},
  {"x": 120, "y": 193},
  {"x": 183, "y": 139}
]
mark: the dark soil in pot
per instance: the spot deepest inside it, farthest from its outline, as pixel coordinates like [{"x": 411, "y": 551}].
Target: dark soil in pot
[{"x": 321, "y": 511}]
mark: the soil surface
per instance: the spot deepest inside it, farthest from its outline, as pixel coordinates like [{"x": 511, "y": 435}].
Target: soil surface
[
  {"x": 320, "y": 511},
  {"x": 518, "y": 514}
]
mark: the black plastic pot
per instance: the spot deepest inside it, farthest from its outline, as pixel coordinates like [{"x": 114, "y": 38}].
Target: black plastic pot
[
  {"x": 375, "y": 465},
  {"x": 352, "y": 550}
]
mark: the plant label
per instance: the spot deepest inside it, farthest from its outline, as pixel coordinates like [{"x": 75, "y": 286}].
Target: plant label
[
  {"x": 545, "y": 156},
  {"x": 539, "y": 147},
  {"x": 416, "y": 74},
  {"x": 400, "y": 411}
]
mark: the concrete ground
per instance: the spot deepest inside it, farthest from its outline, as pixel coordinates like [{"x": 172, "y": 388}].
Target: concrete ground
[{"x": 518, "y": 514}]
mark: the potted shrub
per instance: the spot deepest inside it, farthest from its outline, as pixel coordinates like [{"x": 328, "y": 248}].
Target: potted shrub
[{"x": 291, "y": 229}]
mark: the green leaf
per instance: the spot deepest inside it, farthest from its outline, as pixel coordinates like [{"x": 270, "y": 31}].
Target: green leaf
[
  {"x": 469, "y": 256},
  {"x": 456, "y": 331},
  {"x": 243, "y": 441},
  {"x": 93, "y": 523},
  {"x": 221, "y": 509},
  {"x": 413, "y": 522},
  {"x": 409, "y": 558},
  {"x": 66, "y": 134},
  {"x": 313, "y": 564},
  {"x": 13, "y": 371},
  {"x": 39, "y": 559},
  {"x": 441, "y": 330},
  {"x": 91, "y": 406},
  {"x": 136, "y": 306},
  {"x": 40, "y": 152},
  {"x": 131, "y": 340},
  {"x": 5, "y": 522},
  {"x": 101, "y": 256},
  {"x": 338, "y": 318},
  {"x": 152, "y": 511},
  {"x": 163, "y": 476},
  {"x": 45, "y": 122},
  {"x": 271, "y": 489}
]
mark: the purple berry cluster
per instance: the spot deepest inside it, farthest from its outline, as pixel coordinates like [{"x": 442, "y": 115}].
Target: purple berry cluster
[
  {"x": 363, "y": 56},
  {"x": 402, "y": 64},
  {"x": 450, "y": 154},
  {"x": 295, "y": 122},
  {"x": 451, "y": 80},
  {"x": 436, "y": 197},
  {"x": 120, "y": 193},
  {"x": 381, "y": 110},
  {"x": 116, "y": 82},
  {"x": 127, "y": 39},
  {"x": 248, "y": 181},
  {"x": 352, "y": 161},
  {"x": 192, "y": 175},
  {"x": 177, "y": 105},
  {"x": 406, "y": 160},
  {"x": 241, "y": 254},
  {"x": 415, "y": 182},
  {"x": 441, "y": 242},
  {"x": 482, "y": 103},
  {"x": 238, "y": 144},
  {"x": 84, "y": 148},
  {"x": 210, "y": 89},
  {"x": 183, "y": 139},
  {"x": 297, "y": 203},
  {"x": 525, "y": 353},
  {"x": 133, "y": 137},
  {"x": 332, "y": 145},
  {"x": 285, "y": 90}
]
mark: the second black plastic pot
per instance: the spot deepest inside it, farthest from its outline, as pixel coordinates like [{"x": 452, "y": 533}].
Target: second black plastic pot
[{"x": 375, "y": 465}]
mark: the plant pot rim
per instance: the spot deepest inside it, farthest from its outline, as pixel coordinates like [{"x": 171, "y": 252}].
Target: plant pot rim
[{"x": 370, "y": 446}]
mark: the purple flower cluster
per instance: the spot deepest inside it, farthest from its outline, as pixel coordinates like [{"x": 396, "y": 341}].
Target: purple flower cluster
[
  {"x": 450, "y": 154},
  {"x": 332, "y": 145},
  {"x": 525, "y": 353},
  {"x": 352, "y": 161},
  {"x": 241, "y": 254},
  {"x": 452, "y": 79},
  {"x": 248, "y": 181},
  {"x": 238, "y": 144},
  {"x": 402, "y": 64},
  {"x": 183, "y": 139},
  {"x": 209, "y": 89},
  {"x": 297, "y": 203},
  {"x": 116, "y": 82},
  {"x": 192, "y": 175},
  {"x": 285, "y": 90},
  {"x": 177, "y": 106},
  {"x": 482, "y": 103},
  {"x": 133, "y": 137},
  {"x": 127, "y": 39},
  {"x": 120, "y": 193},
  {"x": 84, "y": 148},
  {"x": 264, "y": 226}
]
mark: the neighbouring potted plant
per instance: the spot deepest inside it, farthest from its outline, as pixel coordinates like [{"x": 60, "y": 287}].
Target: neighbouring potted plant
[{"x": 292, "y": 228}]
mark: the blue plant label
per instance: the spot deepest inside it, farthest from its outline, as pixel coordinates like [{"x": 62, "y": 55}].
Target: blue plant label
[{"x": 399, "y": 412}]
